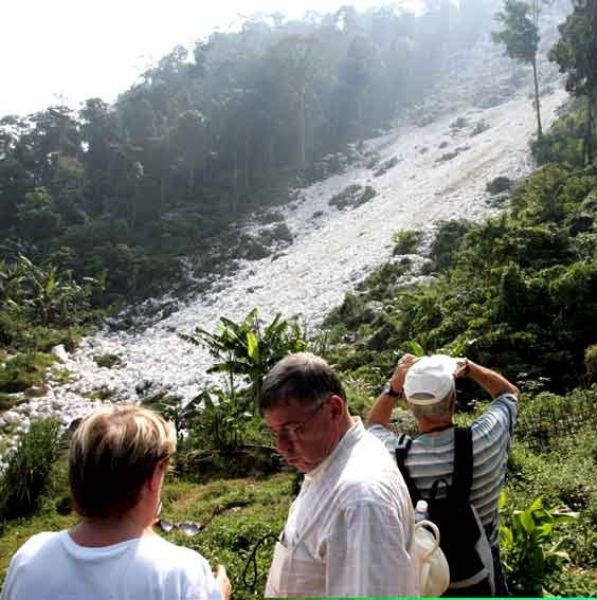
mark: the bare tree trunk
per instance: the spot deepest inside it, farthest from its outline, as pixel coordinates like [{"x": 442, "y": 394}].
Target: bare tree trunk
[{"x": 537, "y": 102}]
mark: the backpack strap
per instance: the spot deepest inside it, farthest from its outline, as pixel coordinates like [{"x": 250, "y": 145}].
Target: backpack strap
[
  {"x": 462, "y": 478},
  {"x": 401, "y": 452}
]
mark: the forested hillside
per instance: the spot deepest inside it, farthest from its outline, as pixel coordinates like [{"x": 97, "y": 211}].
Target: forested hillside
[{"x": 123, "y": 191}]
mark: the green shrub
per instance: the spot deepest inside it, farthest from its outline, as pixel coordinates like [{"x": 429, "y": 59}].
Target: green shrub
[
  {"x": 591, "y": 361},
  {"x": 27, "y": 474},
  {"x": 108, "y": 360},
  {"x": 546, "y": 417},
  {"x": 406, "y": 242},
  {"x": 448, "y": 240},
  {"x": 531, "y": 545},
  {"x": 24, "y": 371},
  {"x": 562, "y": 143},
  {"x": 499, "y": 185}
]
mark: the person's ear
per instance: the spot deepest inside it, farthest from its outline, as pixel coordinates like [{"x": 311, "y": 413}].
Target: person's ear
[
  {"x": 157, "y": 477},
  {"x": 337, "y": 405}
]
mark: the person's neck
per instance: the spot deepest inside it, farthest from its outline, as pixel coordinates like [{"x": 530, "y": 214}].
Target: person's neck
[
  {"x": 345, "y": 425},
  {"x": 434, "y": 427},
  {"x": 100, "y": 532}
]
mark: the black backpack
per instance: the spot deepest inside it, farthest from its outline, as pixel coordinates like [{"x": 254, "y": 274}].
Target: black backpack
[{"x": 462, "y": 536}]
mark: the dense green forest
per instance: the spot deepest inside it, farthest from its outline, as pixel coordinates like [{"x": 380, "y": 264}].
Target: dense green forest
[
  {"x": 98, "y": 206},
  {"x": 122, "y": 191}
]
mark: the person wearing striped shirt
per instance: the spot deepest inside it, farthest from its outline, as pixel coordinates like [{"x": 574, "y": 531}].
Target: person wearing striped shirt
[{"x": 428, "y": 385}]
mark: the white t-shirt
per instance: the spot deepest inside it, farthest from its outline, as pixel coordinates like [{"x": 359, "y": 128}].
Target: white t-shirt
[{"x": 51, "y": 566}]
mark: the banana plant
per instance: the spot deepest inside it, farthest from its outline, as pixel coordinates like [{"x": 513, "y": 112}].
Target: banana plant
[{"x": 247, "y": 349}]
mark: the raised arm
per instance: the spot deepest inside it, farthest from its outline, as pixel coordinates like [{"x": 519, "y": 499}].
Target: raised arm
[
  {"x": 493, "y": 383},
  {"x": 381, "y": 411}
]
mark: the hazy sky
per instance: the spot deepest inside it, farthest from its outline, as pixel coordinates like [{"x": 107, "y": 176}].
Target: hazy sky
[{"x": 68, "y": 50}]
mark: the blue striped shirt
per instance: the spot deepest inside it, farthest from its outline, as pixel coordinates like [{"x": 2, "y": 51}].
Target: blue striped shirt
[{"x": 431, "y": 457}]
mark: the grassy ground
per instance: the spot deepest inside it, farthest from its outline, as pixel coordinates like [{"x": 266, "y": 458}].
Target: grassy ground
[{"x": 549, "y": 458}]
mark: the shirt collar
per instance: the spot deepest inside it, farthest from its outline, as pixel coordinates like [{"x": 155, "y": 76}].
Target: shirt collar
[{"x": 350, "y": 438}]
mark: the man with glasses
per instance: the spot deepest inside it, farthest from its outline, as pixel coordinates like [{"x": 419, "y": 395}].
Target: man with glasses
[{"x": 349, "y": 533}]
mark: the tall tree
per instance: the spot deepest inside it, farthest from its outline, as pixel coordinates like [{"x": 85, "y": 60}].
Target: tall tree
[
  {"x": 576, "y": 55},
  {"x": 520, "y": 35}
]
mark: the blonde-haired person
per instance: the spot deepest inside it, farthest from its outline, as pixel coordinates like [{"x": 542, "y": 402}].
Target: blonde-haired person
[{"x": 118, "y": 458}]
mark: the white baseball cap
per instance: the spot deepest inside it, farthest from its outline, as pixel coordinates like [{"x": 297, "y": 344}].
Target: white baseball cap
[{"x": 432, "y": 377}]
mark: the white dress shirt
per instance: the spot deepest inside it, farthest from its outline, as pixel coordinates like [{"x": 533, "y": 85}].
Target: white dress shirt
[{"x": 349, "y": 533}]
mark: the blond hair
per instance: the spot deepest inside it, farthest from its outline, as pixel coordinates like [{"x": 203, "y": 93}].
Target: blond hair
[{"x": 113, "y": 452}]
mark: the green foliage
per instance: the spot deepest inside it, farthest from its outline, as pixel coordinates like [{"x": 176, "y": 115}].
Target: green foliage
[
  {"x": 27, "y": 473},
  {"x": 222, "y": 422},
  {"x": 31, "y": 295},
  {"x": 519, "y": 34},
  {"x": 406, "y": 242},
  {"x": 499, "y": 185},
  {"x": 576, "y": 55},
  {"x": 248, "y": 349},
  {"x": 448, "y": 240},
  {"x": 532, "y": 550},
  {"x": 172, "y": 409},
  {"x": 24, "y": 371},
  {"x": 563, "y": 143},
  {"x": 224, "y": 433},
  {"x": 108, "y": 360},
  {"x": 545, "y": 417},
  {"x": 591, "y": 362}
]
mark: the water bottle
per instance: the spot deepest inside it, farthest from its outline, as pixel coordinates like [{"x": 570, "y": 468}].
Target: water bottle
[
  {"x": 421, "y": 511},
  {"x": 432, "y": 566}
]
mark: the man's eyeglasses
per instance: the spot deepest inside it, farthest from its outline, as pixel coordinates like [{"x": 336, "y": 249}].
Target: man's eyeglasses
[
  {"x": 189, "y": 528},
  {"x": 293, "y": 432}
]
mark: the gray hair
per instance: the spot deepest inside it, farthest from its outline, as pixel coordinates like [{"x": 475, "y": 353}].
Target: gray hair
[
  {"x": 431, "y": 411},
  {"x": 302, "y": 377}
]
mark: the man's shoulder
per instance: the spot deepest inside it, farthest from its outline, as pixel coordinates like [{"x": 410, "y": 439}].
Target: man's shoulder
[
  {"x": 498, "y": 418},
  {"x": 390, "y": 439},
  {"x": 374, "y": 447},
  {"x": 369, "y": 473},
  {"x": 39, "y": 542}
]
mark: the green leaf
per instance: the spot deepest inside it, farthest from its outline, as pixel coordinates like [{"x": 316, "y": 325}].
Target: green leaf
[
  {"x": 252, "y": 345},
  {"x": 416, "y": 348},
  {"x": 50, "y": 284},
  {"x": 536, "y": 504},
  {"x": 526, "y": 520}
]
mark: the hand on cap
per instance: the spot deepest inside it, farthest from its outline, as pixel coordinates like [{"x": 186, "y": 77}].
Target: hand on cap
[
  {"x": 404, "y": 364},
  {"x": 463, "y": 367}
]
